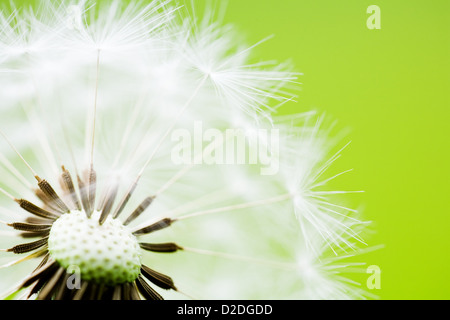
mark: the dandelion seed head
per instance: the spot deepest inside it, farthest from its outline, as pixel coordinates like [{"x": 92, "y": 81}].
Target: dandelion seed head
[{"x": 106, "y": 253}]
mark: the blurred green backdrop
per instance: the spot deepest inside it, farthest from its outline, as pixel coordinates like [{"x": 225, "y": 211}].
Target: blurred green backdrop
[{"x": 390, "y": 87}]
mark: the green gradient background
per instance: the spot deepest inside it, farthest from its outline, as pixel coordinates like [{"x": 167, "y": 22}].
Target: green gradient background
[{"x": 390, "y": 87}]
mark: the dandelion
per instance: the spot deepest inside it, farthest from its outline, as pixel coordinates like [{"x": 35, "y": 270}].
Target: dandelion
[{"x": 91, "y": 97}]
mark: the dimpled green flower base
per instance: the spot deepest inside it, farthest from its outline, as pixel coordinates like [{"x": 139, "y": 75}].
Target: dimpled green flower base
[{"x": 106, "y": 254}]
